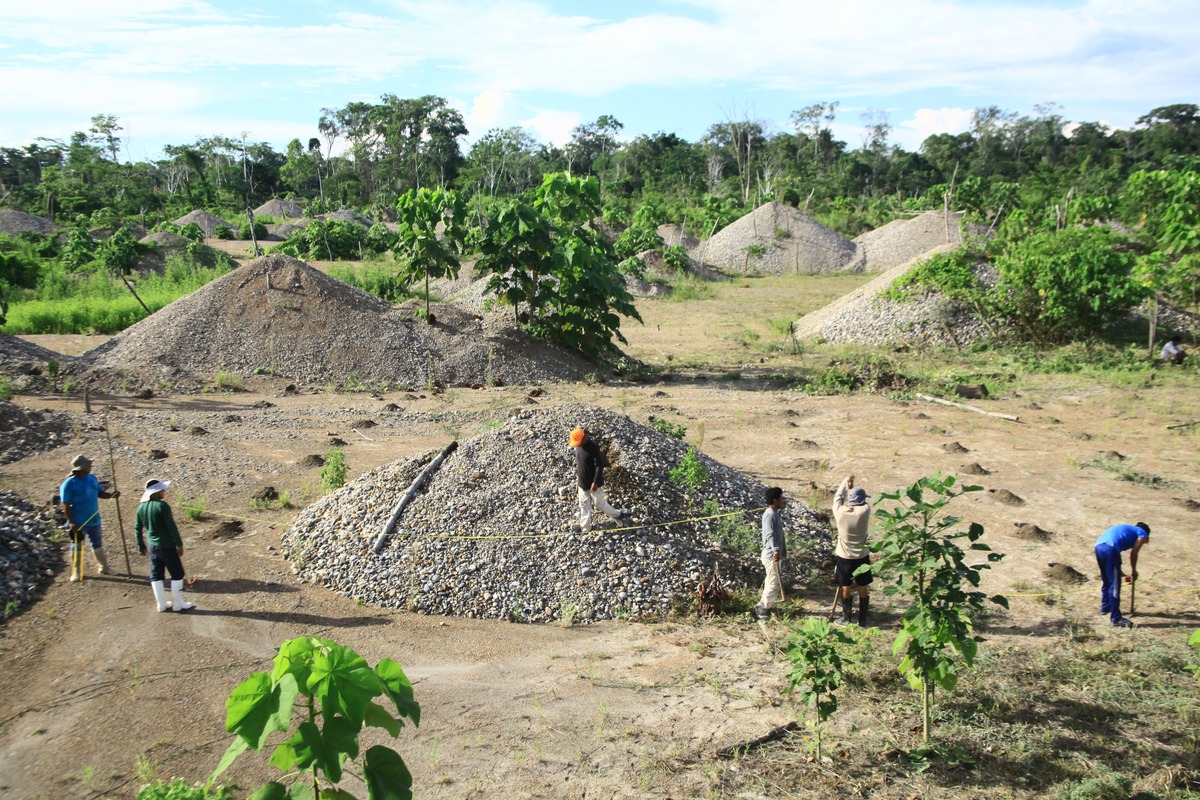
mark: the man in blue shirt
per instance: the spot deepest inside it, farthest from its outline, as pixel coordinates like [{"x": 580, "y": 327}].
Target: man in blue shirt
[
  {"x": 80, "y": 494},
  {"x": 1109, "y": 547}
]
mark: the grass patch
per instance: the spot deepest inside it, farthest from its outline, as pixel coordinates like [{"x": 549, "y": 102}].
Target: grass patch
[{"x": 1126, "y": 472}]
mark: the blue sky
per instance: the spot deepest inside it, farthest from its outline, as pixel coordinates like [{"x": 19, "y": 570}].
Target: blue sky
[{"x": 175, "y": 70}]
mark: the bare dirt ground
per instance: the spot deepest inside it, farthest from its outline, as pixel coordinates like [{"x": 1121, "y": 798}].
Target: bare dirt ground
[{"x": 98, "y": 691}]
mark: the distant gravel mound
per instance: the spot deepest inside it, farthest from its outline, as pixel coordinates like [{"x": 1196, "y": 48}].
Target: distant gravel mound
[
  {"x": 25, "y": 432},
  {"x": 673, "y": 235},
  {"x": 489, "y": 537},
  {"x": 347, "y": 215},
  {"x": 280, "y": 209},
  {"x": 24, "y": 362},
  {"x": 777, "y": 238},
  {"x": 279, "y": 315},
  {"x": 207, "y": 222},
  {"x": 166, "y": 243},
  {"x": 902, "y": 240},
  {"x": 865, "y": 318},
  {"x": 13, "y": 222}
]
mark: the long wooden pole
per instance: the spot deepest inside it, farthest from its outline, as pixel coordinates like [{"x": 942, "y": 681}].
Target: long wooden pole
[{"x": 112, "y": 467}]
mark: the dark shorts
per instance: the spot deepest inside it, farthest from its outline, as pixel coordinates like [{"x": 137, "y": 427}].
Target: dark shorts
[
  {"x": 843, "y": 573},
  {"x": 165, "y": 559}
]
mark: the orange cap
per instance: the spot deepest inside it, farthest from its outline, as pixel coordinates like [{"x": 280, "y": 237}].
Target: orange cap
[{"x": 577, "y": 437}]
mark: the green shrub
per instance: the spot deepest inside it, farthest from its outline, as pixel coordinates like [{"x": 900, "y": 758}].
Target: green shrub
[
  {"x": 223, "y": 232},
  {"x": 260, "y": 231},
  {"x": 333, "y": 473},
  {"x": 674, "y": 430},
  {"x": 179, "y": 789},
  {"x": 192, "y": 232},
  {"x": 676, "y": 257},
  {"x": 948, "y": 273},
  {"x": 690, "y": 474}
]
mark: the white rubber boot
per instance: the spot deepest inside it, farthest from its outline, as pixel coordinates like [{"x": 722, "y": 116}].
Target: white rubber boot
[
  {"x": 177, "y": 601},
  {"x": 101, "y": 561},
  {"x": 160, "y": 595},
  {"x": 76, "y": 572}
]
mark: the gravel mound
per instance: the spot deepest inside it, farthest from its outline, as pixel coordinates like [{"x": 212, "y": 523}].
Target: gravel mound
[
  {"x": 863, "y": 317},
  {"x": 14, "y": 222},
  {"x": 1030, "y": 532},
  {"x": 456, "y": 549},
  {"x": 28, "y": 557},
  {"x": 25, "y": 432},
  {"x": 902, "y": 240},
  {"x": 791, "y": 242},
  {"x": 24, "y": 361},
  {"x": 673, "y": 235},
  {"x": 207, "y": 222},
  {"x": 278, "y": 315},
  {"x": 280, "y": 209},
  {"x": 167, "y": 239},
  {"x": 347, "y": 215},
  {"x": 1064, "y": 573}
]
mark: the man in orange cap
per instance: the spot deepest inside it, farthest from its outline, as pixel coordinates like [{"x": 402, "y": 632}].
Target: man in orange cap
[{"x": 589, "y": 469}]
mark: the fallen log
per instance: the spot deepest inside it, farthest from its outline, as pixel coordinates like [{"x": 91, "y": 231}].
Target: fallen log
[
  {"x": 742, "y": 748},
  {"x": 431, "y": 468},
  {"x": 966, "y": 407}
]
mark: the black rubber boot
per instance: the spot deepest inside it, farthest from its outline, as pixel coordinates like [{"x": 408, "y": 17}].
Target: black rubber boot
[
  {"x": 863, "y": 604},
  {"x": 847, "y": 610}
]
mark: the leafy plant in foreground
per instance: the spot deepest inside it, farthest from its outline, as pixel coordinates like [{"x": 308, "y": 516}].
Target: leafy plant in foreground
[
  {"x": 816, "y": 670},
  {"x": 335, "y": 690},
  {"x": 690, "y": 474},
  {"x": 1195, "y": 642},
  {"x": 923, "y": 558}
]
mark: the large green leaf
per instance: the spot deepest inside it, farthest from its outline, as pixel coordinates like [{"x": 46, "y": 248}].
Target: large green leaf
[
  {"x": 295, "y": 657},
  {"x": 235, "y": 749},
  {"x": 386, "y": 775},
  {"x": 379, "y": 717},
  {"x": 397, "y": 686},
  {"x": 328, "y": 749},
  {"x": 255, "y": 708},
  {"x": 343, "y": 682},
  {"x": 270, "y": 791}
]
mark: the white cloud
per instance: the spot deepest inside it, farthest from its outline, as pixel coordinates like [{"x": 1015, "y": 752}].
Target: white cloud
[
  {"x": 489, "y": 109},
  {"x": 552, "y": 127},
  {"x": 925, "y": 122}
]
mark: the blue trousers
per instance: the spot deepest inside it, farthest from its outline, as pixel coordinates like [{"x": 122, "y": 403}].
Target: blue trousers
[{"x": 1109, "y": 560}]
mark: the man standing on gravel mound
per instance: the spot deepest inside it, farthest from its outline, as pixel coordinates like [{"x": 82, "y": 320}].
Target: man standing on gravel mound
[{"x": 589, "y": 469}]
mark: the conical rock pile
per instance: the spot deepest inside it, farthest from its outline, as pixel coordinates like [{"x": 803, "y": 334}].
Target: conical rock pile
[
  {"x": 207, "y": 222},
  {"x": 490, "y": 535},
  {"x": 278, "y": 315},
  {"x": 777, "y": 238},
  {"x": 13, "y": 221}
]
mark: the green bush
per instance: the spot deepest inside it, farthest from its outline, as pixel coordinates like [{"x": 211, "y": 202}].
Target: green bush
[
  {"x": 333, "y": 473},
  {"x": 674, "y": 430},
  {"x": 179, "y": 789},
  {"x": 690, "y": 474},
  {"x": 223, "y": 232},
  {"x": 948, "y": 273},
  {"x": 260, "y": 231},
  {"x": 676, "y": 257}
]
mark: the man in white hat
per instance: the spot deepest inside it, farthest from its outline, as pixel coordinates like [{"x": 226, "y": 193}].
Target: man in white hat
[
  {"x": 155, "y": 522},
  {"x": 80, "y": 494}
]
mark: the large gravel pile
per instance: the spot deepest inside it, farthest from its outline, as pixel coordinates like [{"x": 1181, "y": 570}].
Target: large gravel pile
[
  {"x": 207, "y": 222},
  {"x": 24, "y": 362},
  {"x": 25, "y": 432},
  {"x": 28, "y": 559},
  {"x": 791, "y": 242},
  {"x": 865, "y": 318},
  {"x": 673, "y": 235},
  {"x": 13, "y": 222},
  {"x": 902, "y": 240},
  {"x": 278, "y": 315},
  {"x": 280, "y": 209},
  {"x": 490, "y": 535}
]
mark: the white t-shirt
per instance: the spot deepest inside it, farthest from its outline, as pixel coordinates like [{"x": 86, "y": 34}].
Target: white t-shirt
[{"x": 1169, "y": 351}]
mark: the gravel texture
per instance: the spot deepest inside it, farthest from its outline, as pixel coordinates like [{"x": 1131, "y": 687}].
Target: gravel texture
[
  {"x": 28, "y": 557},
  {"x": 24, "y": 432},
  {"x": 902, "y": 240},
  {"x": 792, "y": 242},
  {"x": 280, "y": 209},
  {"x": 207, "y": 222},
  {"x": 278, "y": 315},
  {"x": 13, "y": 222},
  {"x": 863, "y": 317},
  {"x": 490, "y": 535}
]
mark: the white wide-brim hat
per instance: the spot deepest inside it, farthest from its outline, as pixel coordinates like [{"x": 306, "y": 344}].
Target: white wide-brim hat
[{"x": 154, "y": 486}]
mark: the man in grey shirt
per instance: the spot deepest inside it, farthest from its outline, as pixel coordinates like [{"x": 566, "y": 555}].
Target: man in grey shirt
[
  {"x": 773, "y": 553},
  {"x": 852, "y": 513}
]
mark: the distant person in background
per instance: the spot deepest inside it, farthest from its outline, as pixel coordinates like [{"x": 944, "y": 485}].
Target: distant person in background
[
  {"x": 590, "y": 464},
  {"x": 774, "y": 551},
  {"x": 80, "y": 494},
  {"x": 852, "y": 514},
  {"x": 1109, "y": 547},
  {"x": 156, "y": 523},
  {"x": 1173, "y": 351}
]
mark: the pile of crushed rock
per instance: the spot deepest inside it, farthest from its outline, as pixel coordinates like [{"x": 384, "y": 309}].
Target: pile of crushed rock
[
  {"x": 276, "y": 315},
  {"x": 24, "y": 432},
  {"x": 14, "y": 222},
  {"x": 207, "y": 222},
  {"x": 28, "y": 555},
  {"x": 490, "y": 534},
  {"x": 902, "y": 240},
  {"x": 26, "y": 364},
  {"x": 777, "y": 238},
  {"x": 863, "y": 317}
]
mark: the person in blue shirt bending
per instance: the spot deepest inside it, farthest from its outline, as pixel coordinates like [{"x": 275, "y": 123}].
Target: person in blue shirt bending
[{"x": 1109, "y": 547}]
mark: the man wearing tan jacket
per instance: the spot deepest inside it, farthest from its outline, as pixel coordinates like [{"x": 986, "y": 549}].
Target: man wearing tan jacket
[{"x": 852, "y": 513}]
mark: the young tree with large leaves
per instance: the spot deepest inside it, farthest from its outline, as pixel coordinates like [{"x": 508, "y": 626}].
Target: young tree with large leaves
[{"x": 423, "y": 250}]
